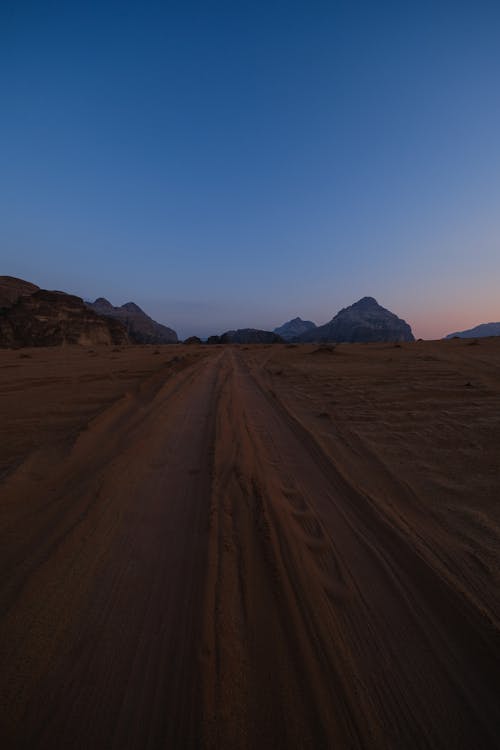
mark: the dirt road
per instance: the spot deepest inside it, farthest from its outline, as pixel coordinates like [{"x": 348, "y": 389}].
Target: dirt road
[{"x": 198, "y": 572}]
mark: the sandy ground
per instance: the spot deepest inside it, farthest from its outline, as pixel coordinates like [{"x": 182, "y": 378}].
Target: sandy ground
[{"x": 250, "y": 547}]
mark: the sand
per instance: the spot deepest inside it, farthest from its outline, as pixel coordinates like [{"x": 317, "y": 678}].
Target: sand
[{"x": 250, "y": 547}]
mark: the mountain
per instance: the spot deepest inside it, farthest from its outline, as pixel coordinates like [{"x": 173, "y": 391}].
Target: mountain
[
  {"x": 140, "y": 327},
  {"x": 294, "y": 328},
  {"x": 30, "y": 316},
  {"x": 11, "y": 289},
  {"x": 480, "y": 331},
  {"x": 249, "y": 336},
  {"x": 364, "y": 321}
]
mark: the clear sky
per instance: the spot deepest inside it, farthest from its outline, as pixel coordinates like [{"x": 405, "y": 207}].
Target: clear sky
[{"x": 228, "y": 164}]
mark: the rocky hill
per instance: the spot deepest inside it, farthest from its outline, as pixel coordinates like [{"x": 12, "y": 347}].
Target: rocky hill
[
  {"x": 11, "y": 289},
  {"x": 480, "y": 331},
  {"x": 364, "y": 321},
  {"x": 246, "y": 336},
  {"x": 192, "y": 341},
  {"x": 30, "y": 316},
  {"x": 140, "y": 327},
  {"x": 294, "y": 328}
]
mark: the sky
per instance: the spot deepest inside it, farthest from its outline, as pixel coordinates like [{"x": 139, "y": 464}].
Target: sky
[{"x": 236, "y": 164}]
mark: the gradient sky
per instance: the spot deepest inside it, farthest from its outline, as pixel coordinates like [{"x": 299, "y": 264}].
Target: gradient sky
[{"x": 229, "y": 164}]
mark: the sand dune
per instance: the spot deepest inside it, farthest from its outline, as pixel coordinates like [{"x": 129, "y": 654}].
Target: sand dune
[{"x": 251, "y": 547}]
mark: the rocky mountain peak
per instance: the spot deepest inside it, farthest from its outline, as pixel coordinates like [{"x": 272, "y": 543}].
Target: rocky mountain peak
[
  {"x": 294, "y": 328},
  {"x": 133, "y": 308},
  {"x": 103, "y": 304},
  {"x": 366, "y": 302},
  {"x": 140, "y": 327},
  {"x": 363, "y": 321}
]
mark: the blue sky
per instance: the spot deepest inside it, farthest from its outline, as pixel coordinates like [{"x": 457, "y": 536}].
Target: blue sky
[{"x": 238, "y": 164}]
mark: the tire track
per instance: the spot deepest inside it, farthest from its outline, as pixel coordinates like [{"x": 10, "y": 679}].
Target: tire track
[
  {"x": 362, "y": 644},
  {"x": 197, "y": 572},
  {"x": 100, "y": 642}
]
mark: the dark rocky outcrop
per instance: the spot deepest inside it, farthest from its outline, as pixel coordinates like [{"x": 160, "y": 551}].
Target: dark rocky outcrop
[
  {"x": 480, "y": 331},
  {"x": 11, "y": 289},
  {"x": 43, "y": 318},
  {"x": 291, "y": 330},
  {"x": 140, "y": 327},
  {"x": 213, "y": 340},
  {"x": 250, "y": 336},
  {"x": 192, "y": 340},
  {"x": 364, "y": 321}
]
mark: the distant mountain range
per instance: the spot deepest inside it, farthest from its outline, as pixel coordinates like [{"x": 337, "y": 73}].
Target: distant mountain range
[
  {"x": 140, "y": 327},
  {"x": 364, "y": 321},
  {"x": 30, "y": 316},
  {"x": 480, "y": 331},
  {"x": 246, "y": 336}
]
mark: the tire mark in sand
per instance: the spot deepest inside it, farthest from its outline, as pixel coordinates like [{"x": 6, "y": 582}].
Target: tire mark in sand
[
  {"x": 196, "y": 573},
  {"x": 323, "y": 628},
  {"x": 100, "y": 636}
]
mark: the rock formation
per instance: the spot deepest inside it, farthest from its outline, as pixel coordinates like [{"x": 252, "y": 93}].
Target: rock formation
[
  {"x": 250, "y": 336},
  {"x": 364, "y": 321},
  {"x": 36, "y": 317},
  {"x": 294, "y": 328},
  {"x": 11, "y": 289},
  {"x": 480, "y": 331},
  {"x": 140, "y": 327}
]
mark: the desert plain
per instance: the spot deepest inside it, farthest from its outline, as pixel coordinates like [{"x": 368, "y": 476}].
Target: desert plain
[{"x": 287, "y": 546}]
